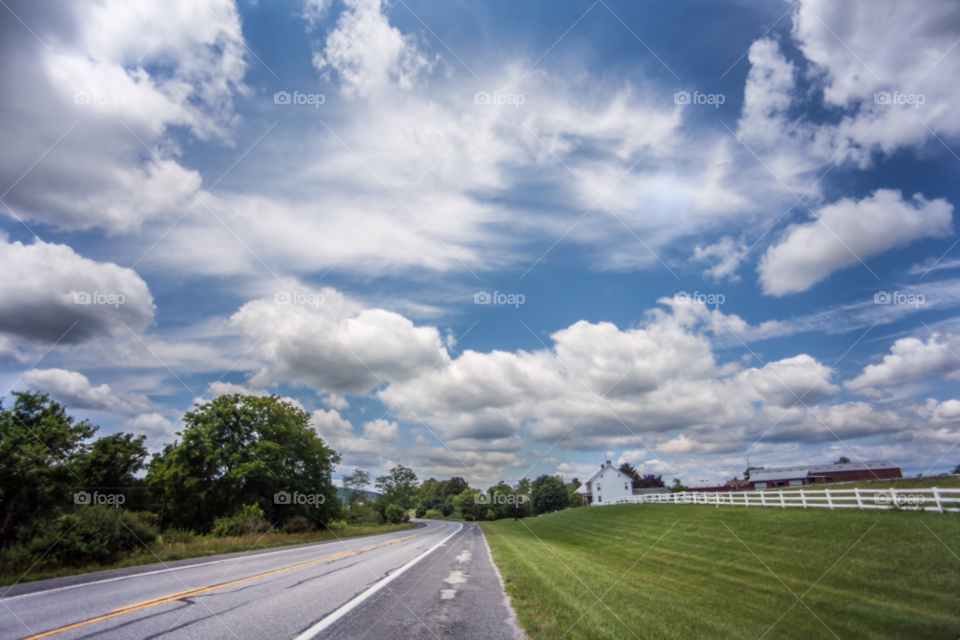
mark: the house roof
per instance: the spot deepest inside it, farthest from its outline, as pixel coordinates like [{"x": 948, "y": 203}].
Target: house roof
[
  {"x": 798, "y": 472},
  {"x": 607, "y": 466}
]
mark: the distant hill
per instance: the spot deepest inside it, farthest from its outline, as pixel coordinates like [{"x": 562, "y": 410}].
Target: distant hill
[{"x": 342, "y": 494}]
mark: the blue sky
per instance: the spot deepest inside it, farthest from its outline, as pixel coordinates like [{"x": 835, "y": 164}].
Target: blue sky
[{"x": 147, "y": 157}]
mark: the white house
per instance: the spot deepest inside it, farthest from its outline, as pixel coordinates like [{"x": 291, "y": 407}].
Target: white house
[{"x": 606, "y": 486}]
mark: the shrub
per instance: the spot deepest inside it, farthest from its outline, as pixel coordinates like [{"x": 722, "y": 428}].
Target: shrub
[
  {"x": 336, "y": 525},
  {"x": 395, "y": 514},
  {"x": 178, "y": 536},
  {"x": 433, "y": 514},
  {"x": 247, "y": 521},
  {"x": 298, "y": 524},
  {"x": 92, "y": 534}
]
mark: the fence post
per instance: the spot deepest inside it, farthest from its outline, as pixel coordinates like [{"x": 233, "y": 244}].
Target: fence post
[
  {"x": 763, "y": 498},
  {"x": 829, "y": 499},
  {"x": 746, "y": 498},
  {"x": 893, "y": 498},
  {"x": 859, "y": 500},
  {"x": 783, "y": 502},
  {"x": 803, "y": 499},
  {"x": 936, "y": 497}
]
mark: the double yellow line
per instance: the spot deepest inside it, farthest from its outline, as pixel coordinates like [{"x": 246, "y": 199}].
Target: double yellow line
[{"x": 192, "y": 592}]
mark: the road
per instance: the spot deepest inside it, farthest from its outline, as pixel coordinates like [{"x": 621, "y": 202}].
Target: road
[{"x": 436, "y": 581}]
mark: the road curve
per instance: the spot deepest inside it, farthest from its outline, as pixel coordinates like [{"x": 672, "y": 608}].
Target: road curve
[{"x": 436, "y": 581}]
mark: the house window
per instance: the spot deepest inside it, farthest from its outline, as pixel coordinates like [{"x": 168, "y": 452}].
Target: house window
[
  {"x": 625, "y": 485},
  {"x": 598, "y": 487},
  {"x": 599, "y": 498}
]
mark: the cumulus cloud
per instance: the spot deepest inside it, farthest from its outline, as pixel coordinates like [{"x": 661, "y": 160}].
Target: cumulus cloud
[
  {"x": 42, "y": 295},
  {"x": 909, "y": 359},
  {"x": 367, "y": 53},
  {"x": 74, "y": 390},
  {"x": 99, "y": 104},
  {"x": 338, "y": 346},
  {"x": 846, "y": 232}
]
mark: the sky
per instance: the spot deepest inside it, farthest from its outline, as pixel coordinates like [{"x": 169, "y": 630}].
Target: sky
[{"x": 493, "y": 240}]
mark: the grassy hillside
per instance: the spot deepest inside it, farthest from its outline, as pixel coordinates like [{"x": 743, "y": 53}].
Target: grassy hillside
[{"x": 693, "y": 571}]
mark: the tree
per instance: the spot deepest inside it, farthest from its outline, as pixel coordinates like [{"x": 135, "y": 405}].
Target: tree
[
  {"x": 677, "y": 486},
  {"x": 956, "y": 470},
  {"x": 245, "y": 450},
  {"x": 746, "y": 474},
  {"x": 650, "y": 480},
  {"x": 548, "y": 494},
  {"x": 398, "y": 487},
  {"x": 843, "y": 460},
  {"x": 395, "y": 514},
  {"x": 356, "y": 485},
  {"x": 629, "y": 470},
  {"x": 575, "y": 499},
  {"x": 112, "y": 462},
  {"x": 39, "y": 445},
  {"x": 468, "y": 505}
]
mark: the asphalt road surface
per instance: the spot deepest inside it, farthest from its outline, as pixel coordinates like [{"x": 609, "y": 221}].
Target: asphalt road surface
[{"x": 436, "y": 581}]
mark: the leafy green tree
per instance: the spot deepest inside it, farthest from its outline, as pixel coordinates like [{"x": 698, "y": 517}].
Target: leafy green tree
[
  {"x": 575, "y": 499},
  {"x": 629, "y": 470},
  {"x": 112, "y": 462},
  {"x": 39, "y": 445},
  {"x": 548, "y": 494},
  {"x": 843, "y": 460},
  {"x": 398, "y": 487},
  {"x": 956, "y": 470},
  {"x": 395, "y": 513},
  {"x": 467, "y": 504},
  {"x": 678, "y": 486},
  {"x": 356, "y": 485},
  {"x": 245, "y": 450}
]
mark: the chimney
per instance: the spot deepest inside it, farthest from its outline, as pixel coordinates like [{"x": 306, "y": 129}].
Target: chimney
[{"x": 609, "y": 463}]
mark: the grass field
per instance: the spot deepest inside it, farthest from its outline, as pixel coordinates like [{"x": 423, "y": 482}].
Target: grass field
[
  {"x": 694, "y": 571},
  {"x": 200, "y": 546}
]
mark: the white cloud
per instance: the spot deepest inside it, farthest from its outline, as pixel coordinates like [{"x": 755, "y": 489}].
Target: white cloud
[
  {"x": 74, "y": 390},
  {"x": 367, "y": 53},
  {"x": 39, "y": 292},
  {"x": 846, "y": 232},
  {"x": 103, "y": 164},
  {"x": 909, "y": 359}
]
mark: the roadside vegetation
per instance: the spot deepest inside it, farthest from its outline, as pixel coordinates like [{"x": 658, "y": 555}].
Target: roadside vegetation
[
  {"x": 245, "y": 472},
  {"x": 693, "y": 571}
]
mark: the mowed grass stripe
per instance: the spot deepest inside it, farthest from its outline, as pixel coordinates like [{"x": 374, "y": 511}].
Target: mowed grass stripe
[{"x": 700, "y": 581}]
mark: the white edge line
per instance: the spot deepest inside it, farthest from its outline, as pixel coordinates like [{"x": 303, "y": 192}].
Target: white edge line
[
  {"x": 327, "y": 622},
  {"x": 247, "y": 556}
]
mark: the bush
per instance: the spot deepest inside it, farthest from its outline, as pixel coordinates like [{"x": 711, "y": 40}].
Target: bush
[
  {"x": 178, "y": 536},
  {"x": 92, "y": 534},
  {"x": 433, "y": 514},
  {"x": 395, "y": 514},
  {"x": 363, "y": 514},
  {"x": 298, "y": 524},
  {"x": 248, "y": 521},
  {"x": 337, "y": 525}
]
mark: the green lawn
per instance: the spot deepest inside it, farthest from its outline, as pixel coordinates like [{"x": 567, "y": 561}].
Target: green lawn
[
  {"x": 201, "y": 546},
  {"x": 680, "y": 571}
]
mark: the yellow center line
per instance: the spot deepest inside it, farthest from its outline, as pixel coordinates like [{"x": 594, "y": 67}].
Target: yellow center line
[{"x": 190, "y": 592}]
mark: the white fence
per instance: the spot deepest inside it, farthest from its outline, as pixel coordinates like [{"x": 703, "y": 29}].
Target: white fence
[{"x": 930, "y": 499}]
